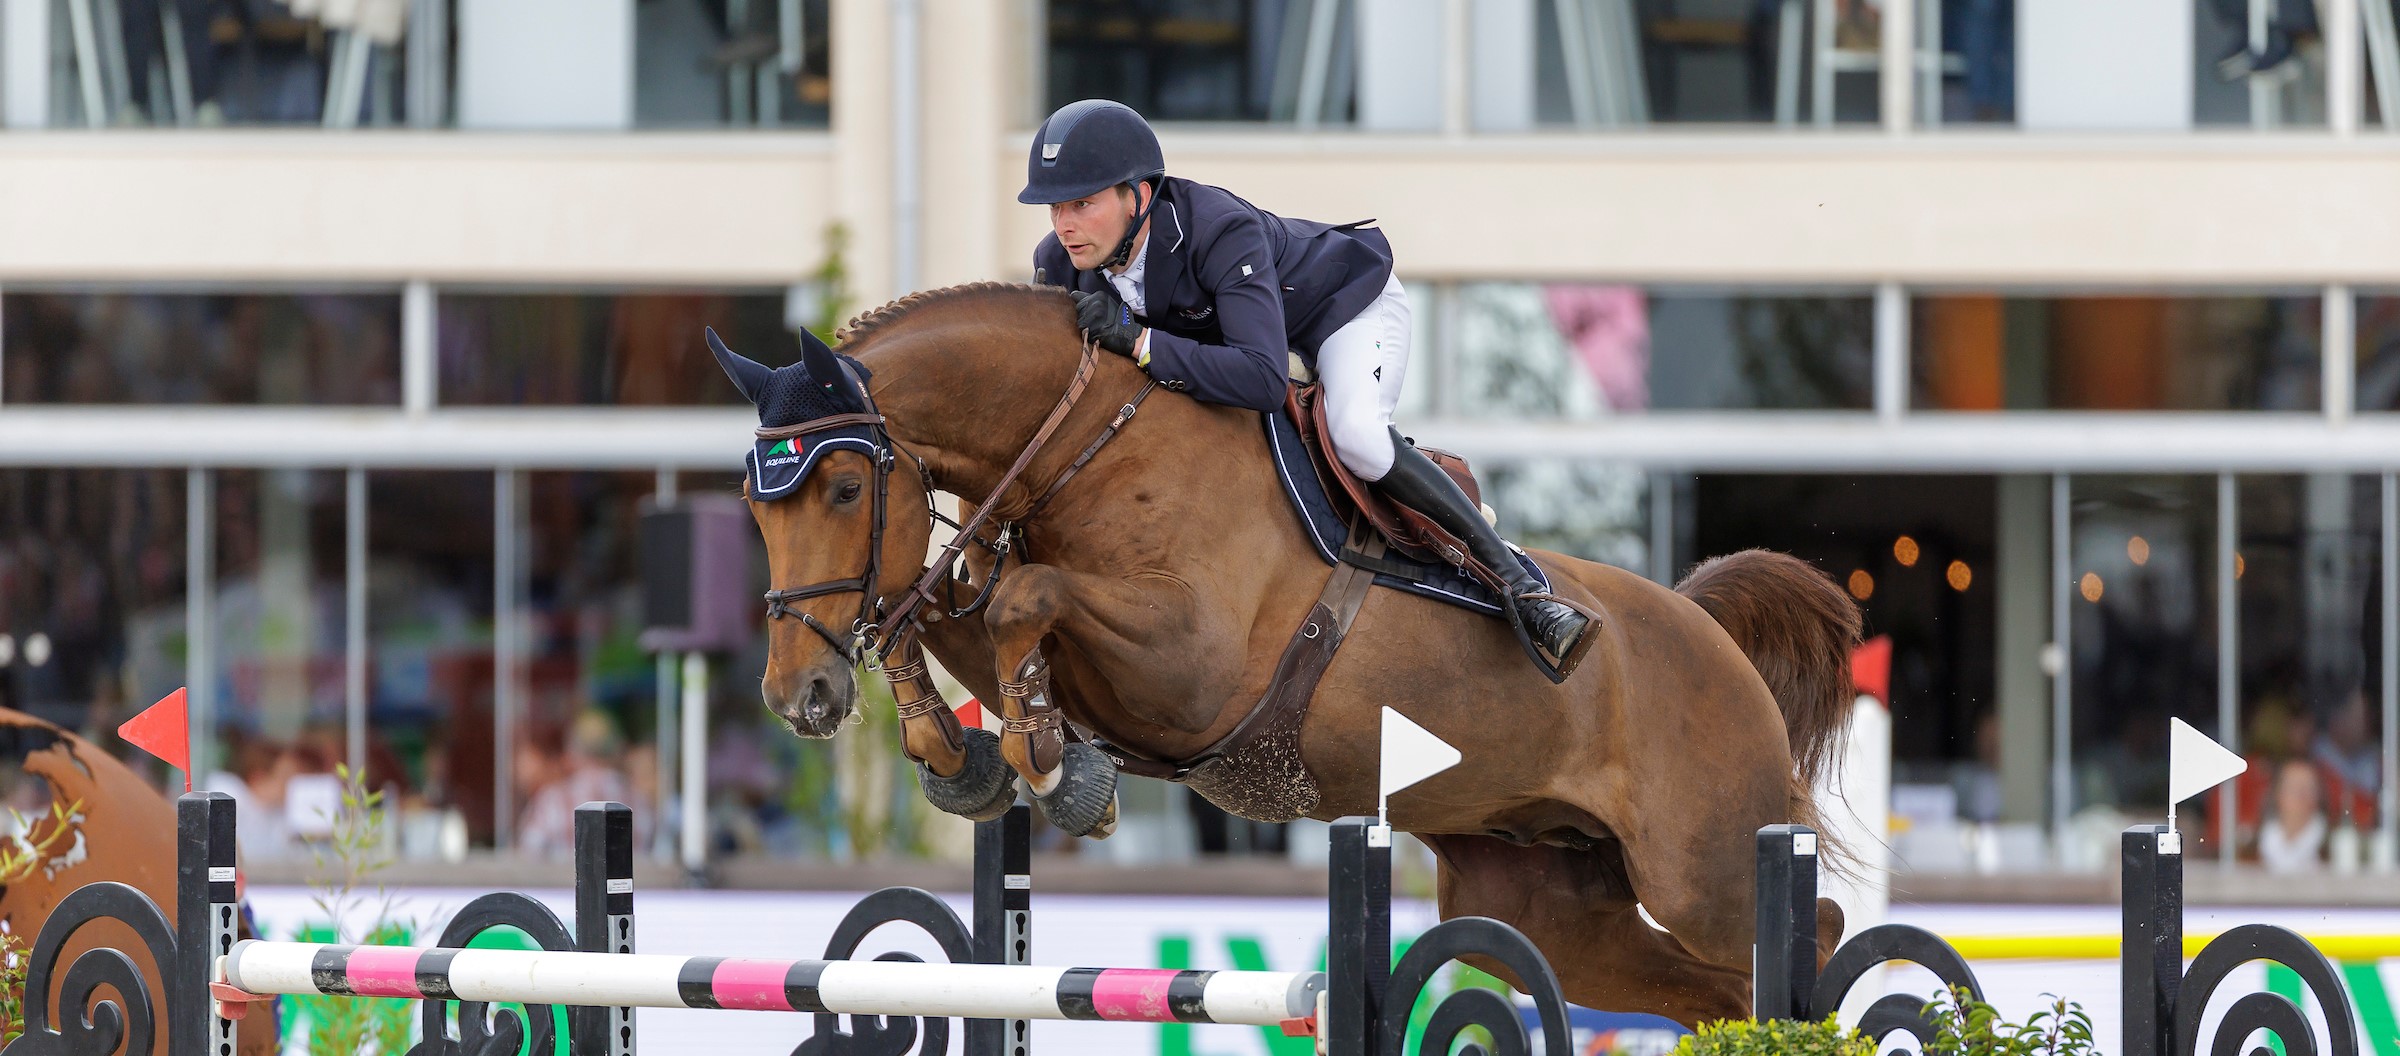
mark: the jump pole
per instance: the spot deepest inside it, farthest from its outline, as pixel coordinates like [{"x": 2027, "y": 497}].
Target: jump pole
[{"x": 849, "y": 987}]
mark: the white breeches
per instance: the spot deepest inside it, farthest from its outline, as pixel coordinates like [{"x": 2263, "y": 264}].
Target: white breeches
[{"x": 1359, "y": 370}]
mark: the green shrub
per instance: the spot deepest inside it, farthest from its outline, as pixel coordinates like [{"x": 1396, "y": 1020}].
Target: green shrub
[
  {"x": 1774, "y": 1037},
  {"x": 1964, "y": 1026}
]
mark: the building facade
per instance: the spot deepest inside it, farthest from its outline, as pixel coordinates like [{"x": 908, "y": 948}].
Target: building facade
[{"x": 340, "y": 353}]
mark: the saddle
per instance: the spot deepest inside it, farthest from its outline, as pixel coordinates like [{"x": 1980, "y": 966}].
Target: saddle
[{"x": 1406, "y": 531}]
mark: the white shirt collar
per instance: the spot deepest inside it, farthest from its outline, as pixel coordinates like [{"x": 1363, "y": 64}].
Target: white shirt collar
[{"x": 1129, "y": 285}]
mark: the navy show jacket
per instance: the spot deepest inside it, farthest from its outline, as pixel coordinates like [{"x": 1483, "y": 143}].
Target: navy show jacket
[{"x": 1231, "y": 287}]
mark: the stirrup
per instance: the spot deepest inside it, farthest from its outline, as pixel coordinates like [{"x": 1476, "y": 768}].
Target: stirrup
[{"x": 1554, "y": 670}]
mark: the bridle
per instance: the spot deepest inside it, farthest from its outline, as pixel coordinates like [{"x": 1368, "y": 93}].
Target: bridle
[
  {"x": 779, "y": 601},
  {"x": 882, "y": 631}
]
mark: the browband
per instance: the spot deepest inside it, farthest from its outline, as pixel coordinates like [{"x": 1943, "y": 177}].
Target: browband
[{"x": 831, "y": 421}]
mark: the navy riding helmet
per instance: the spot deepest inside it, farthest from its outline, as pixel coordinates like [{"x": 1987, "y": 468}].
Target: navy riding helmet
[{"x": 1089, "y": 146}]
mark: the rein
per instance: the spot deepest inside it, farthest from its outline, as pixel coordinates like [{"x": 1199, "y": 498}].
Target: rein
[{"x": 882, "y": 631}]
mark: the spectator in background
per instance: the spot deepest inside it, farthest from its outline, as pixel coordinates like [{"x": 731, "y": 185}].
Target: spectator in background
[
  {"x": 641, "y": 781},
  {"x": 586, "y": 771},
  {"x": 2293, "y": 838},
  {"x": 2279, "y": 730},
  {"x": 260, "y": 776},
  {"x": 2347, "y": 753}
]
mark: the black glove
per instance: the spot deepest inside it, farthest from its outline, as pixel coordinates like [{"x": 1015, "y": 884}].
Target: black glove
[{"x": 1107, "y": 320}]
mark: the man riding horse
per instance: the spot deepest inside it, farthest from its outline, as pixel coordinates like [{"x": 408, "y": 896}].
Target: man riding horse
[
  {"x": 1208, "y": 306},
  {"x": 1126, "y": 605}
]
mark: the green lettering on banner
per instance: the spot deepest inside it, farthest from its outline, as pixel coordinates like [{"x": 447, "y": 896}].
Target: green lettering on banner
[
  {"x": 2374, "y": 1001},
  {"x": 1174, "y": 1039},
  {"x": 2368, "y": 995},
  {"x": 2286, "y": 983},
  {"x": 1249, "y": 956}
]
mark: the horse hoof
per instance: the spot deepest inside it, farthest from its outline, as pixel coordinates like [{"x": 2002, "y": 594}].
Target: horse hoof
[
  {"x": 983, "y": 790},
  {"x": 1084, "y": 802}
]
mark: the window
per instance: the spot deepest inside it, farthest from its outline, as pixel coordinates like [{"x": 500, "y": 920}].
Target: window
[
  {"x": 2378, "y": 384},
  {"x": 159, "y": 347},
  {"x": 1583, "y": 65},
  {"x": 91, "y": 592},
  {"x": 2143, "y": 605},
  {"x": 1920, "y": 555},
  {"x": 600, "y": 348},
  {"x": 1593, "y": 510},
  {"x": 2117, "y": 352},
  {"x": 1207, "y": 60},
  {"x": 2309, "y": 694},
  {"x": 1584, "y": 351},
  {"x": 430, "y": 687},
  {"x": 530, "y": 64}
]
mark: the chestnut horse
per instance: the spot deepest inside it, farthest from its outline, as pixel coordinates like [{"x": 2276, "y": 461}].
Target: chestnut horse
[{"x": 1161, "y": 584}]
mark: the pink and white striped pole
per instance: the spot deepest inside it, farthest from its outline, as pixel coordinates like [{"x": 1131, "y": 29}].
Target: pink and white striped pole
[{"x": 884, "y": 988}]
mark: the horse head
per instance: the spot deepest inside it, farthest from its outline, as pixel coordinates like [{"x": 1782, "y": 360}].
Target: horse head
[{"x": 820, "y": 487}]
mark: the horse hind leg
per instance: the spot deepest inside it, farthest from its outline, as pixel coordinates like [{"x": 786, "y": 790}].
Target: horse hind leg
[{"x": 1578, "y": 909}]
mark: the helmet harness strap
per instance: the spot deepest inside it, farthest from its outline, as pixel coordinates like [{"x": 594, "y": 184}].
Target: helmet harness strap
[{"x": 1141, "y": 215}]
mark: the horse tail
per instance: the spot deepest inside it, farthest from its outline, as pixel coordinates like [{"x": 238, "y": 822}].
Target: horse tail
[{"x": 1798, "y": 630}]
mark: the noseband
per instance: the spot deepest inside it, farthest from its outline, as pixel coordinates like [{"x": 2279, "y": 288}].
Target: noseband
[{"x": 877, "y": 629}]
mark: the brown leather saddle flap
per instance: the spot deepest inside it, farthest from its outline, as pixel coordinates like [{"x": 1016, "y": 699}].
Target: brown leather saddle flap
[{"x": 1408, "y": 531}]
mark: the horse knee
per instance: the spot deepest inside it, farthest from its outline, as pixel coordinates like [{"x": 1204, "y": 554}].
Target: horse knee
[{"x": 1027, "y": 601}]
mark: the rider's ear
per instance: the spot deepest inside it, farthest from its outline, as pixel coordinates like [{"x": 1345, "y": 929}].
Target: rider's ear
[{"x": 748, "y": 376}]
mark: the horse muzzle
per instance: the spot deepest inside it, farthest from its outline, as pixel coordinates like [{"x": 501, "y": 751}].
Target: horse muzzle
[{"x": 815, "y": 705}]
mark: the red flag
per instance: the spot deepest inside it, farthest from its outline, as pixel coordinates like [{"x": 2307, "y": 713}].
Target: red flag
[
  {"x": 1871, "y": 668},
  {"x": 164, "y": 730}
]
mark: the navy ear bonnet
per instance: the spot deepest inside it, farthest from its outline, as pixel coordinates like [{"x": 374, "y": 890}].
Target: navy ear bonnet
[{"x": 821, "y": 385}]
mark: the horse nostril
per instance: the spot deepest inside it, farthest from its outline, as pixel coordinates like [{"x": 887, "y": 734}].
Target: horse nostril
[{"x": 819, "y": 702}]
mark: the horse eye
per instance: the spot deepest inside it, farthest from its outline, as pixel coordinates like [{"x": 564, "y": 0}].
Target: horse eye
[{"x": 849, "y": 493}]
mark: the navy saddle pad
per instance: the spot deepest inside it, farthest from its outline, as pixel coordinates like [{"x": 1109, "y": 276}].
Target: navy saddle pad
[{"x": 1326, "y": 531}]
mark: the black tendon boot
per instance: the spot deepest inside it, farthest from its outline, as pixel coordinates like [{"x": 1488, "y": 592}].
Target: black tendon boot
[{"x": 1415, "y": 482}]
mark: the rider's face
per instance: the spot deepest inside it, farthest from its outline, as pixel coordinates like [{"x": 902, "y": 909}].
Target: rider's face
[{"x": 1091, "y": 226}]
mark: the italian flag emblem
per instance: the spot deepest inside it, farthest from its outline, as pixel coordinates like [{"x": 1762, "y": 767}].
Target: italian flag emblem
[{"x": 784, "y": 448}]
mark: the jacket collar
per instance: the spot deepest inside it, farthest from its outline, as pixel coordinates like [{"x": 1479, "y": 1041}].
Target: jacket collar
[{"x": 1169, "y": 250}]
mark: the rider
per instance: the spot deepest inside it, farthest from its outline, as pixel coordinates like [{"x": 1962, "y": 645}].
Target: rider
[{"x": 1210, "y": 303}]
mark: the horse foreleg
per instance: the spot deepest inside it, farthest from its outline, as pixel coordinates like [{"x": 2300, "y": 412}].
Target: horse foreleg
[
  {"x": 960, "y": 770},
  {"x": 1074, "y": 784},
  {"x": 929, "y": 731}
]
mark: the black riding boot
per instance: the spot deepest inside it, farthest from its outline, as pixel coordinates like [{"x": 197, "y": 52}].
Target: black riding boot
[{"x": 1415, "y": 482}]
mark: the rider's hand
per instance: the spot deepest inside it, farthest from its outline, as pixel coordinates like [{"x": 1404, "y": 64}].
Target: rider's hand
[{"x": 1108, "y": 321}]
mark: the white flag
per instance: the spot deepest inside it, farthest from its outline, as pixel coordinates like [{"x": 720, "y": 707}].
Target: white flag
[
  {"x": 1410, "y": 754},
  {"x": 2196, "y": 764}
]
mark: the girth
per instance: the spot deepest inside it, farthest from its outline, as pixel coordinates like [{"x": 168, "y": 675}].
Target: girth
[{"x": 1302, "y": 666}]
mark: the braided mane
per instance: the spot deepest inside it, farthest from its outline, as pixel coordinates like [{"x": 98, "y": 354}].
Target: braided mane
[{"x": 868, "y": 323}]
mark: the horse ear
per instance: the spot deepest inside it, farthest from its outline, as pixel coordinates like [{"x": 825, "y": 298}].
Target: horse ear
[
  {"x": 748, "y": 376},
  {"x": 825, "y": 369}
]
